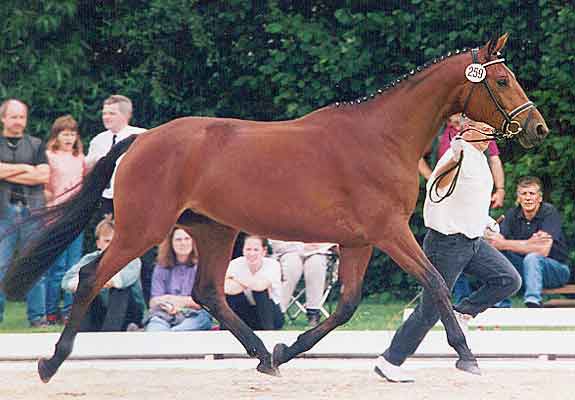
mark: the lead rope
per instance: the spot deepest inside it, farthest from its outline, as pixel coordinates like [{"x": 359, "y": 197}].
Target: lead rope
[{"x": 434, "y": 188}]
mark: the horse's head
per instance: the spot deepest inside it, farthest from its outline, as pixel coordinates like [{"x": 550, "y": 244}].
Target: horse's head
[{"x": 494, "y": 96}]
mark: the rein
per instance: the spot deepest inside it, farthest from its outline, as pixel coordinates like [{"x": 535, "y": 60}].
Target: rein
[
  {"x": 476, "y": 73},
  {"x": 435, "y": 184}
]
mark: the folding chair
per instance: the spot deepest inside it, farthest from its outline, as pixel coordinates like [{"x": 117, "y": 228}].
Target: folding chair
[{"x": 296, "y": 305}]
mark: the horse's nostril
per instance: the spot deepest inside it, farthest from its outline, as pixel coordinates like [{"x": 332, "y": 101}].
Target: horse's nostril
[{"x": 542, "y": 130}]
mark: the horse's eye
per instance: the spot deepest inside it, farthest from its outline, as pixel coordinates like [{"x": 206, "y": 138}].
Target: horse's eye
[{"x": 502, "y": 82}]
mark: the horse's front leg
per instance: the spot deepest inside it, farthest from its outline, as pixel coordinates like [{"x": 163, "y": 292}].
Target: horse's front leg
[
  {"x": 406, "y": 252},
  {"x": 352, "y": 267}
]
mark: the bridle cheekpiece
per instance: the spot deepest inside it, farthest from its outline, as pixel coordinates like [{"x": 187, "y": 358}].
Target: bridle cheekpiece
[{"x": 476, "y": 73}]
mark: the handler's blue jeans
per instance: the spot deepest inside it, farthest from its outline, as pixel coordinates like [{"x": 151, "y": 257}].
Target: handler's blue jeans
[
  {"x": 15, "y": 236},
  {"x": 451, "y": 255},
  {"x": 461, "y": 288},
  {"x": 538, "y": 272}
]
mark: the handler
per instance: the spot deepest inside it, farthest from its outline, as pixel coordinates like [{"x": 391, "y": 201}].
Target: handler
[{"x": 454, "y": 244}]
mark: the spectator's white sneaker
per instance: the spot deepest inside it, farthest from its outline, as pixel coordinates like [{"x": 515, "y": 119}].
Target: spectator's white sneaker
[
  {"x": 391, "y": 372},
  {"x": 463, "y": 321}
]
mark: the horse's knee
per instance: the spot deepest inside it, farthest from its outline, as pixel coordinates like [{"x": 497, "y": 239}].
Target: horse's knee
[{"x": 436, "y": 286}]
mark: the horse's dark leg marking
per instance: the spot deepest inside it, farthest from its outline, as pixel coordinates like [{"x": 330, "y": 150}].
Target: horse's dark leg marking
[
  {"x": 405, "y": 250},
  {"x": 82, "y": 299},
  {"x": 215, "y": 243},
  {"x": 352, "y": 267}
]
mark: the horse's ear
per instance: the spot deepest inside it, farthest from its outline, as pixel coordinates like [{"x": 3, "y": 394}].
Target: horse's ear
[{"x": 496, "y": 44}]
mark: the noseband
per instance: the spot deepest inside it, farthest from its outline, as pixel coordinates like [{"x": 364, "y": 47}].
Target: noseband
[{"x": 476, "y": 73}]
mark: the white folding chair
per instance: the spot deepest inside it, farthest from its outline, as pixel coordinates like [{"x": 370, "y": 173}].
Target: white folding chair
[{"x": 296, "y": 305}]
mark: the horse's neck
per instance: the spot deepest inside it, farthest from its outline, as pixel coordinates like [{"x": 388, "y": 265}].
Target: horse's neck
[{"x": 412, "y": 114}]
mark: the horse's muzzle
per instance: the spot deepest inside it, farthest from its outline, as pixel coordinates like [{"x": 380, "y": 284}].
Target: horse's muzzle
[{"x": 534, "y": 130}]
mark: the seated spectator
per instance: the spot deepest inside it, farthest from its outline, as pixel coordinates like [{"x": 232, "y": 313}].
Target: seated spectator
[
  {"x": 253, "y": 286},
  {"x": 309, "y": 259},
  {"x": 120, "y": 302},
  {"x": 67, "y": 167},
  {"x": 171, "y": 305},
  {"x": 532, "y": 239}
]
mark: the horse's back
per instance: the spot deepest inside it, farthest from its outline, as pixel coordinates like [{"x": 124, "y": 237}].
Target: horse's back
[{"x": 279, "y": 178}]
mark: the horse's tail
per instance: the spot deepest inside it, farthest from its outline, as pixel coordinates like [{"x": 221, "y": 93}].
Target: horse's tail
[{"x": 59, "y": 225}]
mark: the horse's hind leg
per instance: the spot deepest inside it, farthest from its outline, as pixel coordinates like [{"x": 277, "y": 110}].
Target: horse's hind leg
[
  {"x": 215, "y": 243},
  {"x": 352, "y": 267},
  {"x": 93, "y": 276},
  {"x": 82, "y": 299},
  {"x": 406, "y": 252}
]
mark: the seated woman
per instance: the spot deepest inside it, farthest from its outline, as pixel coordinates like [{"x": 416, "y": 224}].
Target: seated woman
[
  {"x": 120, "y": 302},
  {"x": 253, "y": 286},
  {"x": 171, "y": 305},
  {"x": 309, "y": 259}
]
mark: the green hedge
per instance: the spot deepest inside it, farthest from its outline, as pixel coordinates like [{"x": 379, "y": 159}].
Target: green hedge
[{"x": 273, "y": 60}]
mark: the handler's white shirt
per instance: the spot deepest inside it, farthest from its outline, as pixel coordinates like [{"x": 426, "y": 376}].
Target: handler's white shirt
[
  {"x": 101, "y": 144},
  {"x": 270, "y": 269},
  {"x": 466, "y": 211}
]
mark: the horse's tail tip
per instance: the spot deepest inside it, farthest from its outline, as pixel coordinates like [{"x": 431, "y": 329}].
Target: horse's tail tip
[
  {"x": 12, "y": 292},
  {"x": 12, "y": 287}
]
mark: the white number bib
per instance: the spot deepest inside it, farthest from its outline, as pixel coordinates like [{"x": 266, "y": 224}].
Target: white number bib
[{"x": 475, "y": 72}]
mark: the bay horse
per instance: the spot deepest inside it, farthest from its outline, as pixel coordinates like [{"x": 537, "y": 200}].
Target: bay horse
[{"x": 346, "y": 173}]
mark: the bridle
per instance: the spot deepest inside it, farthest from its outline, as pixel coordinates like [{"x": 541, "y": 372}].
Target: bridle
[{"x": 476, "y": 73}]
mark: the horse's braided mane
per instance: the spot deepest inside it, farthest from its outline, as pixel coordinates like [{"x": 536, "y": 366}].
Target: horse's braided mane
[{"x": 401, "y": 79}]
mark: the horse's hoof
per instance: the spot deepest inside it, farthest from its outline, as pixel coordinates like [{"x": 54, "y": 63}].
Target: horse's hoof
[
  {"x": 470, "y": 366},
  {"x": 278, "y": 355},
  {"x": 268, "y": 370},
  {"x": 44, "y": 370}
]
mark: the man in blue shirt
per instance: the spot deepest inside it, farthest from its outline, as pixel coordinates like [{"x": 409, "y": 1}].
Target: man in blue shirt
[{"x": 532, "y": 239}]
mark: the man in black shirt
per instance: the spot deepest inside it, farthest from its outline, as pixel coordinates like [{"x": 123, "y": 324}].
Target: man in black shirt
[
  {"x": 23, "y": 172},
  {"x": 532, "y": 238}
]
